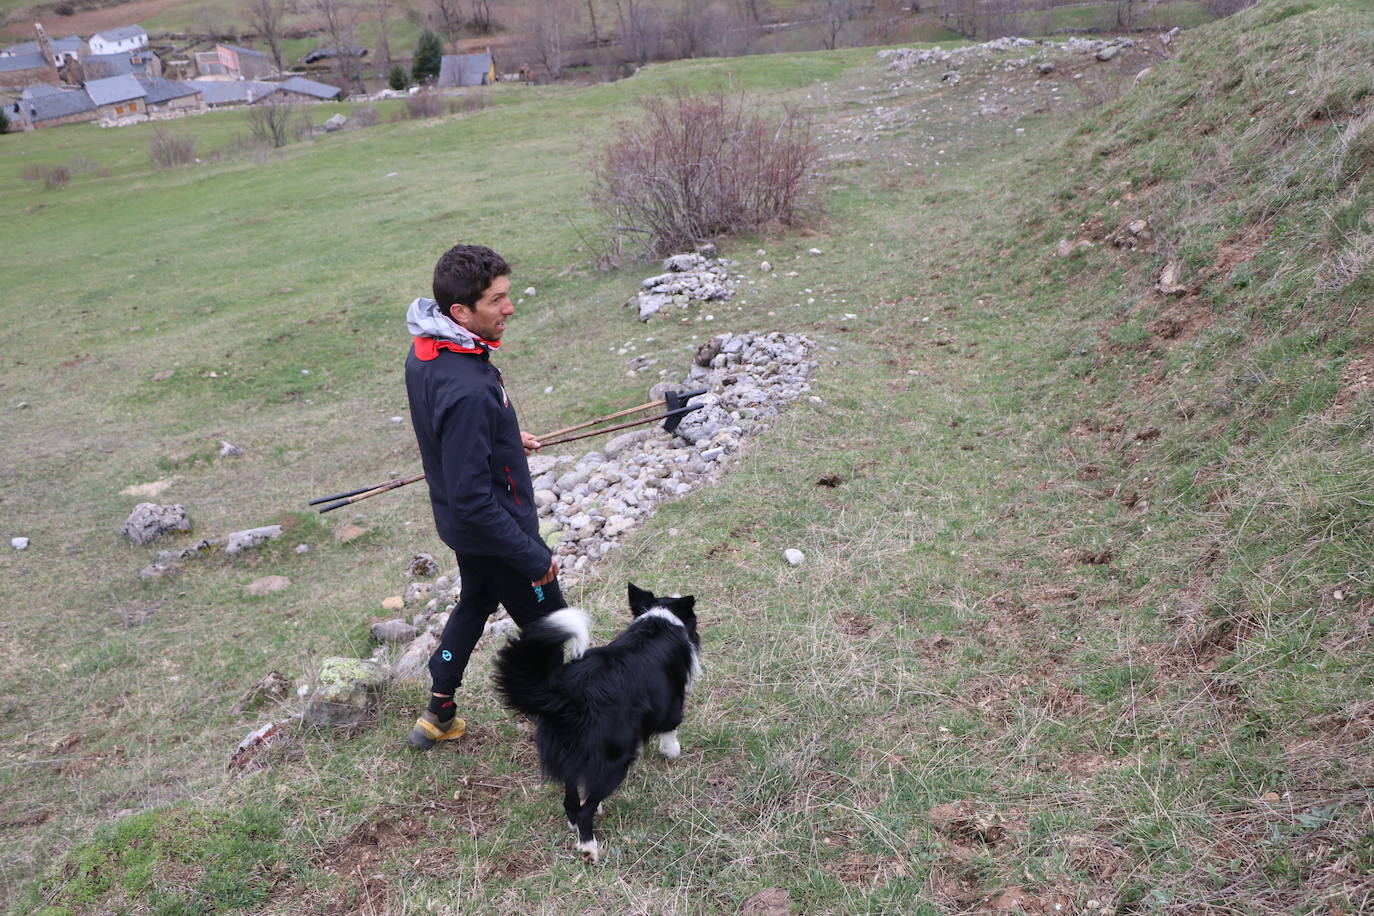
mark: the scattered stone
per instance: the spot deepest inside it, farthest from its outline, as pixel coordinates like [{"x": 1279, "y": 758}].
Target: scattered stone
[
  {"x": 793, "y": 556},
  {"x": 350, "y": 532},
  {"x": 345, "y": 691},
  {"x": 274, "y": 687},
  {"x": 251, "y": 538},
  {"x": 418, "y": 592},
  {"x": 498, "y": 627},
  {"x": 394, "y": 631},
  {"x": 158, "y": 570},
  {"x": 245, "y": 758},
  {"x": 422, "y": 566},
  {"x": 393, "y": 603},
  {"x": 19, "y": 543},
  {"x": 302, "y": 548},
  {"x": 164, "y": 375},
  {"x": 414, "y": 661},
  {"x": 336, "y": 122},
  {"x": 267, "y": 585},
  {"x": 1168, "y": 280},
  {"x": 149, "y": 521},
  {"x": 229, "y": 449},
  {"x": 773, "y": 901},
  {"x": 1045, "y": 68},
  {"x": 813, "y": 251}
]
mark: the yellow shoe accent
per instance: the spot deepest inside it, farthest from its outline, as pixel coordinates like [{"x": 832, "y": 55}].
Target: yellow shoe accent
[{"x": 442, "y": 732}]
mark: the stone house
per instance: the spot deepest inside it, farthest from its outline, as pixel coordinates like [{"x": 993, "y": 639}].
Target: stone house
[
  {"x": 245, "y": 63},
  {"x": 117, "y": 97},
  {"x": 166, "y": 97},
  {"x": 50, "y": 108},
  {"x": 124, "y": 38},
  {"x": 20, "y": 70},
  {"x": 142, "y": 62}
]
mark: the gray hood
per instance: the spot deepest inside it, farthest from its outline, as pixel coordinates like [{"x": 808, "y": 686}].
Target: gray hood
[{"x": 423, "y": 319}]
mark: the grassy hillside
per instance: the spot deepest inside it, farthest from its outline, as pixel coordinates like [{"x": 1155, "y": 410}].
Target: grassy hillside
[{"x": 1084, "y": 623}]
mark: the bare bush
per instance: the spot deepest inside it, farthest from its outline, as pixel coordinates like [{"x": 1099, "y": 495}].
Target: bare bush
[
  {"x": 466, "y": 103},
  {"x": 52, "y": 176},
  {"x": 424, "y": 105},
  {"x": 695, "y": 167},
  {"x": 168, "y": 149},
  {"x": 270, "y": 122},
  {"x": 364, "y": 116}
]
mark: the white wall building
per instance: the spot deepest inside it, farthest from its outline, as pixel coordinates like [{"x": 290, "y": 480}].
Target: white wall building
[{"x": 124, "y": 38}]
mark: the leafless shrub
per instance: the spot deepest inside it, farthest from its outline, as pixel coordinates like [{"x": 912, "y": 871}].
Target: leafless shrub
[
  {"x": 168, "y": 149},
  {"x": 82, "y": 165},
  {"x": 424, "y": 105},
  {"x": 466, "y": 103},
  {"x": 364, "y": 116},
  {"x": 695, "y": 167},
  {"x": 52, "y": 176},
  {"x": 270, "y": 122}
]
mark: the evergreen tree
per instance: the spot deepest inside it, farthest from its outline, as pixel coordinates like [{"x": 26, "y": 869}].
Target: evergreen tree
[
  {"x": 4, "y": 122},
  {"x": 429, "y": 53},
  {"x": 398, "y": 78}
]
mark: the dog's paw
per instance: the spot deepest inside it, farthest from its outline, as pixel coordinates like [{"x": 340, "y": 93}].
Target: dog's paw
[
  {"x": 669, "y": 747},
  {"x": 589, "y": 851}
]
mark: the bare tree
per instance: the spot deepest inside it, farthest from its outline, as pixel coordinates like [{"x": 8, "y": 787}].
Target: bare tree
[
  {"x": 269, "y": 121},
  {"x": 834, "y": 16},
  {"x": 340, "y": 22},
  {"x": 550, "y": 28},
  {"x": 265, "y": 18},
  {"x": 481, "y": 17},
  {"x": 383, "y": 42},
  {"x": 643, "y": 30},
  {"x": 450, "y": 19}
]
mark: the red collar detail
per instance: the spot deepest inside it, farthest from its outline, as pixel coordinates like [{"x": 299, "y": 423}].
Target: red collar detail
[{"x": 427, "y": 348}]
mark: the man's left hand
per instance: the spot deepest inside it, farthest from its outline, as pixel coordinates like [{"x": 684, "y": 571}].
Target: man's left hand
[{"x": 530, "y": 443}]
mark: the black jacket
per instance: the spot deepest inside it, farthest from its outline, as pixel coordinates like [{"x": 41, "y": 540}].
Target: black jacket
[{"x": 479, "y": 481}]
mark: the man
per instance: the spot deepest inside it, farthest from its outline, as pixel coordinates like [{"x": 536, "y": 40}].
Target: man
[{"x": 474, "y": 460}]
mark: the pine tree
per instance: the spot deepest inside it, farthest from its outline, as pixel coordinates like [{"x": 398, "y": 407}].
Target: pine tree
[
  {"x": 398, "y": 78},
  {"x": 4, "y": 122},
  {"x": 429, "y": 54}
]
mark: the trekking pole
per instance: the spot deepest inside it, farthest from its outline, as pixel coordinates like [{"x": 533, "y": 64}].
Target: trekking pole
[{"x": 352, "y": 496}]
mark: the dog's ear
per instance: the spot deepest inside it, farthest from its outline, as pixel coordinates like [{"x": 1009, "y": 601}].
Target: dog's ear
[{"x": 640, "y": 600}]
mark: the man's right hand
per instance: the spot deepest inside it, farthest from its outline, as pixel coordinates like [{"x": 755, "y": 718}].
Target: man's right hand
[{"x": 550, "y": 575}]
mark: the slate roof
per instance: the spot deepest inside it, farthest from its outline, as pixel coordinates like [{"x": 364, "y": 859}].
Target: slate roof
[
  {"x": 311, "y": 87},
  {"x": 121, "y": 33},
  {"x": 33, "y": 92},
  {"x": 114, "y": 89},
  {"x": 163, "y": 90},
  {"x": 221, "y": 92},
  {"x": 465, "y": 70},
  {"x": 117, "y": 64},
  {"x": 23, "y": 62},
  {"x": 70, "y": 44},
  {"x": 56, "y": 105}
]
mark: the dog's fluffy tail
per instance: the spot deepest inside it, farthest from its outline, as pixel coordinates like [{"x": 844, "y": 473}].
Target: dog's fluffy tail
[{"x": 525, "y": 667}]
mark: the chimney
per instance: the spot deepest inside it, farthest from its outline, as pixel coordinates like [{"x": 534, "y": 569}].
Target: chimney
[{"x": 45, "y": 49}]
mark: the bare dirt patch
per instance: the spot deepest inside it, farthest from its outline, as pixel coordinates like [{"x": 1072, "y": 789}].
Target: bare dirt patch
[{"x": 88, "y": 22}]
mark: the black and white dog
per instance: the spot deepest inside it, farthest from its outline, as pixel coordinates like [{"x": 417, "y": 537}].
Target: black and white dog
[{"x": 593, "y": 712}]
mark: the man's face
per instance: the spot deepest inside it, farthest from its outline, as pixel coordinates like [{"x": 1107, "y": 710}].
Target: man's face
[{"x": 487, "y": 319}]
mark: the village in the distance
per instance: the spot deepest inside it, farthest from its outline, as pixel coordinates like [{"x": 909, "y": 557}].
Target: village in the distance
[{"x": 115, "y": 78}]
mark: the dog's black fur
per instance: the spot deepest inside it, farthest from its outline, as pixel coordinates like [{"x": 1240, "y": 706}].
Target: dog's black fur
[{"x": 595, "y": 711}]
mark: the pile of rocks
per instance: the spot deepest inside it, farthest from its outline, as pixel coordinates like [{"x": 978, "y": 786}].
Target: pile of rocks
[
  {"x": 903, "y": 59},
  {"x": 687, "y": 279}
]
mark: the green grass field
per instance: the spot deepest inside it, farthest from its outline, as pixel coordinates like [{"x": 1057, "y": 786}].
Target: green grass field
[{"x": 1084, "y": 623}]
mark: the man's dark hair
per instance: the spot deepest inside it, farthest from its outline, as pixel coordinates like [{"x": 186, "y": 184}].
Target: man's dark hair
[{"x": 464, "y": 273}]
